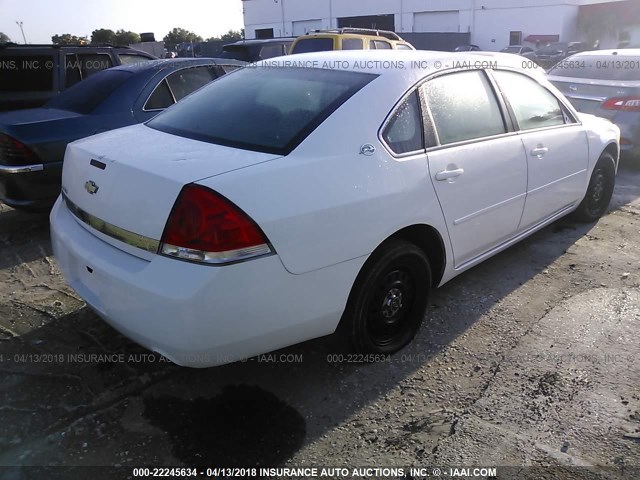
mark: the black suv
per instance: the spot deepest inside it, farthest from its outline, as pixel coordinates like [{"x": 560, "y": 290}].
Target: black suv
[
  {"x": 256, "y": 50},
  {"x": 551, "y": 54},
  {"x": 31, "y": 74}
]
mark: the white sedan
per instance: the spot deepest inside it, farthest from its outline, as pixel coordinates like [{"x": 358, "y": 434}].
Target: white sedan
[{"x": 319, "y": 190}]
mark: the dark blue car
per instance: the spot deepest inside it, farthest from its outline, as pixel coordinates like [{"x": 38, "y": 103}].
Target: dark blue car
[{"x": 33, "y": 142}]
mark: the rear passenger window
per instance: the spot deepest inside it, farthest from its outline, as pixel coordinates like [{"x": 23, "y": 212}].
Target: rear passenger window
[
  {"x": 79, "y": 66},
  {"x": 533, "y": 105},
  {"x": 161, "y": 97},
  {"x": 352, "y": 44},
  {"x": 403, "y": 133},
  {"x": 270, "y": 51},
  {"x": 464, "y": 107},
  {"x": 379, "y": 45},
  {"x": 308, "y": 45},
  {"x": 91, "y": 63},
  {"x": 72, "y": 70},
  {"x": 186, "y": 81}
]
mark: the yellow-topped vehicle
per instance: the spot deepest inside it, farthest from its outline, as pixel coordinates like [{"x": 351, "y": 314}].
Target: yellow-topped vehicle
[{"x": 349, "y": 39}]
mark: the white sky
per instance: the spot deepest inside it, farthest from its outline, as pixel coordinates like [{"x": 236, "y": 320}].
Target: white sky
[{"x": 44, "y": 18}]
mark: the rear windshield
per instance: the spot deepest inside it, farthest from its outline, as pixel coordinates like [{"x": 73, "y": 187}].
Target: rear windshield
[
  {"x": 26, "y": 73},
  {"x": 313, "y": 45},
  {"x": 85, "y": 96},
  {"x": 609, "y": 67},
  {"x": 553, "y": 48},
  {"x": 262, "y": 109}
]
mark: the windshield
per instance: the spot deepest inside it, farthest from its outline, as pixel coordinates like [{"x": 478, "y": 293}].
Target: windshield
[
  {"x": 261, "y": 109},
  {"x": 84, "y": 97},
  {"x": 602, "y": 67}
]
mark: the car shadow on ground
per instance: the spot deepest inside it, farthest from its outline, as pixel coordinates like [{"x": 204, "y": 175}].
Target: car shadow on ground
[
  {"x": 75, "y": 369},
  {"x": 20, "y": 235}
]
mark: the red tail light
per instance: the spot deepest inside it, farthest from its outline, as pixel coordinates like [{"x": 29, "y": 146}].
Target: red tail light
[
  {"x": 205, "y": 227},
  {"x": 14, "y": 152},
  {"x": 624, "y": 104}
]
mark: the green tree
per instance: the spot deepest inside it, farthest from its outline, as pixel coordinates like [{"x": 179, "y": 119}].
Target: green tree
[
  {"x": 126, "y": 38},
  {"x": 233, "y": 35},
  {"x": 103, "y": 35},
  {"x": 68, "y": 39},
  {"x": 4, "y": 38},
  {"x": 230, "y": 36},
  {"x": 179, "y": 35}
]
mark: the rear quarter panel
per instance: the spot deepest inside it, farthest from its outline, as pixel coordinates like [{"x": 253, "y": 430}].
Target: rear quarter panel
[{"x": 325, "y": 203}]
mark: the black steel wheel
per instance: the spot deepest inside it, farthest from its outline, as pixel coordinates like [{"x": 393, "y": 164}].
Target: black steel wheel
[
  {"x": 598, "y": 195},
  {"x": 389, "y": 299}
]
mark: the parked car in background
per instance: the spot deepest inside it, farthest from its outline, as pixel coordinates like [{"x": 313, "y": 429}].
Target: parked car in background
[
  {"x": 526, "y": 52},
  {"x": 605, "y": 83},
  {"x": 551, "y": 54},
  {"x": 467, "y": 48},
  {"x": 627, "y": 44},
  {"x": 349, "y": 39},
  {"x": 264, "y": 208},
  {"x": 30, "y": 75},
  {"x": 256, "y": 50},
  {"x": 189, "y": 50},
  {"x": 33, "y": 141}
]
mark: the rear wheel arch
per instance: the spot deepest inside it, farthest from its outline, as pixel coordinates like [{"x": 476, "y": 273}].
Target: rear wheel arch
[
  {"x": 429, "y": 240},
  {"x": 426, "y": 238}
]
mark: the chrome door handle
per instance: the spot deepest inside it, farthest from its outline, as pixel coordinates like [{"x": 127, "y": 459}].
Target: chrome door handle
[
  {"x": 447, "y": 174},
  {"x": 539, "y": 151}
]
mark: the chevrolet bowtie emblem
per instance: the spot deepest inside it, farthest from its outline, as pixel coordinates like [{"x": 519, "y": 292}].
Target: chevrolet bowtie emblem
[{"x": 91, "y": 187}]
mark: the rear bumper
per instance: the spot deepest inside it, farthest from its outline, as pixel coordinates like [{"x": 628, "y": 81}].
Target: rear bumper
[
  {"x": 7, "y": 170},
  {"x": 30, "y": 186},
  {"x": 629, "y": 124},
  {"x": 196, "y": 315}
]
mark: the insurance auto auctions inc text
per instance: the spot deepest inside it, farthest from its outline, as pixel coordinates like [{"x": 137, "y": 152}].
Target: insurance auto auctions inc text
[{"x": 358, "y": 472}]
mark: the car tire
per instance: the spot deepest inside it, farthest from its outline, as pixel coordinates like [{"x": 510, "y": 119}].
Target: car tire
[
  {"x": 389, "y": 299},
  {"x": 599, "y": 192}
]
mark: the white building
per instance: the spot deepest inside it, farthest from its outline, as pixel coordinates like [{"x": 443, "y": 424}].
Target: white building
[{"x": 491, "y": 24}]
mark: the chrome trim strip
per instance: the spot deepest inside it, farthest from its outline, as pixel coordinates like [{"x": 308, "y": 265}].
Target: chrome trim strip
[
  {"x": 586, "y": 97},
  {"x": 110, "y": 230},
  {"x": 542, "y": 187},
  {"x": 216, "y": 258},
  {"x": 21, "y": 169},
  {"x": 488, "y": 209}
]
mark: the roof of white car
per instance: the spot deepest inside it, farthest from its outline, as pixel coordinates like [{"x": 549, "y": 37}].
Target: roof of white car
[
  {"x": 623, "y": 52},
  {"x": 400, "y": 62}
]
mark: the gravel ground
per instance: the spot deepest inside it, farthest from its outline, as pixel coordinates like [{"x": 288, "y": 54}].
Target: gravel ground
[{"x": 528, "y": 360}]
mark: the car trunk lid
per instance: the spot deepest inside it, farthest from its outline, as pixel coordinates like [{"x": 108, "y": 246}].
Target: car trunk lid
[
  {"x": 127, "y": 180},
  {"x": 586, "y": 95}
]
